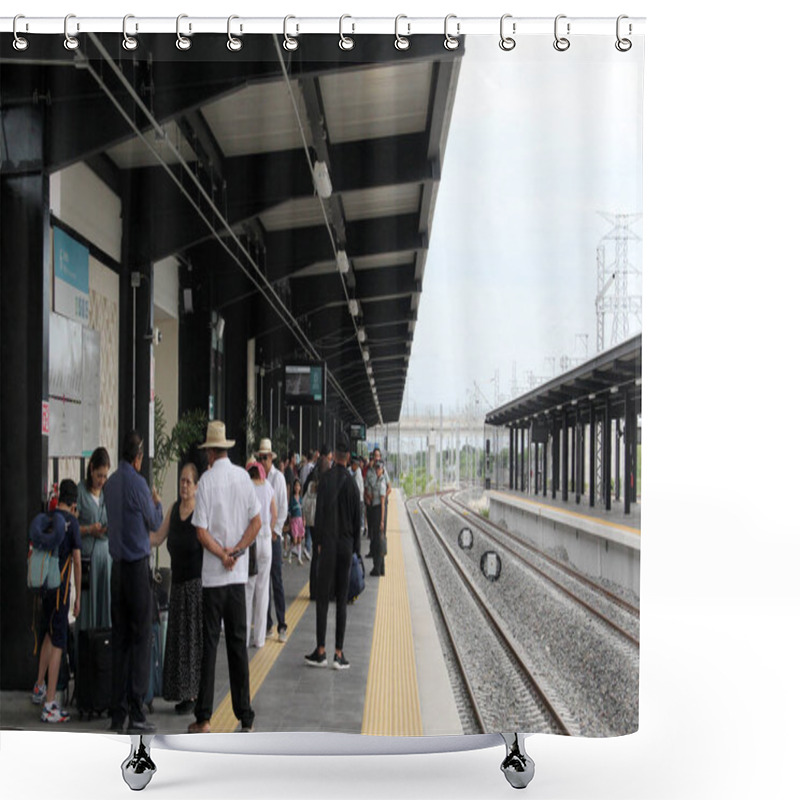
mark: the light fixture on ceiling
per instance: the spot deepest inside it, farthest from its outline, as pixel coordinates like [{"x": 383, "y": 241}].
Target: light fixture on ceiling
[
  {"x": 322, "y": 180},
  {"x": 361, "y": 335},
  {"x": 342, "y": 262},
  {"x": 353, "y": 307},
  {"x": 365, "y": 354}
]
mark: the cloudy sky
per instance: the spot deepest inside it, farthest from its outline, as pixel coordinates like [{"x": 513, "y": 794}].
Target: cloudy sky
[{"x": 539, "y": 143}]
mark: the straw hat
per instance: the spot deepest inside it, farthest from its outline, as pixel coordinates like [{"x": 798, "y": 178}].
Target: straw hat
[
  {"x": 215, "y": 437},
  {"x": 265, "y": 448}
]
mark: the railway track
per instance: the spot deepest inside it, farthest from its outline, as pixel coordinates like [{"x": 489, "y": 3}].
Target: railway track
[
  {"x": 613, "y": 611},
  {"x": 502, "y": 691}
]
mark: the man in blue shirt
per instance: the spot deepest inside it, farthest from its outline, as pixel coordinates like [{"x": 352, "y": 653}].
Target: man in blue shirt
[{"x": 133, "y": 511}]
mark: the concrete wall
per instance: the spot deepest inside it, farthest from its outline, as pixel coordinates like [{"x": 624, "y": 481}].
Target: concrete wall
[
  {"x": 595, "y": 548},
  {"x": 82, "y": 201}
]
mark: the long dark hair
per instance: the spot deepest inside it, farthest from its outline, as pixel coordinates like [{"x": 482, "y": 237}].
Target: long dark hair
[{"x": 99, "y": 458}]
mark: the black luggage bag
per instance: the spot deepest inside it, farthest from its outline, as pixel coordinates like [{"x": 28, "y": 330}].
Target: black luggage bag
[{"x": 93, "y": 673}]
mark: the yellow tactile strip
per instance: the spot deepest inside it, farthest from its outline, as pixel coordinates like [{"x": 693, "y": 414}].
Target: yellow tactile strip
[
  {"x": 391, "y": 706},
  {"x": 223, "y": 719}
]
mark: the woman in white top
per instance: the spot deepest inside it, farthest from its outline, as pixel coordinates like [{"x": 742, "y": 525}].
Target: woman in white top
[{"x": 257, "y": 591}]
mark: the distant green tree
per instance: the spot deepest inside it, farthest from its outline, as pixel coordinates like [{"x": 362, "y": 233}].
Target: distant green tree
[
  {"x": 282, "y": 438},
  {"x": 256, "y": 427},
  {"x": 171, "y": 448}
]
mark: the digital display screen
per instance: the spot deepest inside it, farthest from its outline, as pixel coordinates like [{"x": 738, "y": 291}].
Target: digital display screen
[
  {"x": 358, "y": 433},
  {"x": 304, "y": 384}
]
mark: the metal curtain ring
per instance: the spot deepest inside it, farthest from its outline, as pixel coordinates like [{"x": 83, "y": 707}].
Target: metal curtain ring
[
  {"x": 70, "y": 42},
  {"x": 182, "y": 42},
  {"x": 561, "y": 43},
  {"x": 128, "y": 42},
  {"x": 623, "y": 45},
  {"x": 289, "y": 42},
  {"x": 506, "y": 42},
  {"x": 451, "y": 42},
  {"x": 234, "y": 44},
  {"x": 20, "y": 42},
  {"x": 345, "y": 42},
  {"x": 401, "y": 42}
]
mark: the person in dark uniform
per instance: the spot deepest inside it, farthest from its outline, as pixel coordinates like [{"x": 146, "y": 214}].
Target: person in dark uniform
[
  {"x": 337, "y": 529},
  {"x": 133, "y": 512}
]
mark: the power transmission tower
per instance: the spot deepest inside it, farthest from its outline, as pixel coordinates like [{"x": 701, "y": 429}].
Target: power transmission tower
[{"x": 614, "y": 295}]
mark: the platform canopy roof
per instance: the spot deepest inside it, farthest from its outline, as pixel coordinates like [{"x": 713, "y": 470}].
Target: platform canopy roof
[
  {"x": 610, "y": 377},
  {"x": 216, "y": 151}
]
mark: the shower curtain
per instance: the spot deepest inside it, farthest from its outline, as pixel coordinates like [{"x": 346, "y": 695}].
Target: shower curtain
[{"x": 431, "y": 243}]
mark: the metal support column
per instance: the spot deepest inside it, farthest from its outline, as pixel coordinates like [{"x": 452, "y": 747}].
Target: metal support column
[
  {"x": 578, "y": 467},
  {"x": 565, "y": 462},
  {"x": 25, "y": 253},
  {"x": 607, "y": 455},
  {"x": 617, "y": 461},
  {"x": 592, "y": 454},
  {"x": 510, "y": 458},
  {"x": 555, "y": 471},
  {"x": 630, "y": 452}
]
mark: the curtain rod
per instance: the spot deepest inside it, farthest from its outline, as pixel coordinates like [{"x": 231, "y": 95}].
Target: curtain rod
[{"x": 298, "y": 25}]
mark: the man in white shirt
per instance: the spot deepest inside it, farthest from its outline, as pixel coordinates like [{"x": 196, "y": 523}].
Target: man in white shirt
[
  {"x": 227, "y": 515},
  {"x": 266, "y": 455}
]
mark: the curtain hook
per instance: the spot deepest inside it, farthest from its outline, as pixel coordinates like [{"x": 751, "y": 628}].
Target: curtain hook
[
  {"x": 289, "y": 42},
  {"x": 451, "y": 42},
  {"x": 182, "y": 42},
  {"x": 128, "y": 42},
  {"x": 401, "y": 42},
  {"x": 623, "y": 45},
  {"x": 234, "y": 44},
  {"x": 20, "y": 42},
  {"x": 70, "y": 42},
  {"x": 506, "y": 42},
  {"x": 561, "y": 43},
  {"x": 345, "y": 42}
]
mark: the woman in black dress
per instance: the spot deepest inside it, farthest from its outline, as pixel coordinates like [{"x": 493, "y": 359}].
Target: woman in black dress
[{"x": 184, "y": 647}]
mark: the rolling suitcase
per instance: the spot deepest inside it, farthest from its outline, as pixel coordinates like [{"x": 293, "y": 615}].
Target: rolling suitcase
[{"x": 93, "y": 673}]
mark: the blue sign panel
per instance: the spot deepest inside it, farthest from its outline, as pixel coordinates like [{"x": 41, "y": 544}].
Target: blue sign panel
[{"x": 71, "y": 272}]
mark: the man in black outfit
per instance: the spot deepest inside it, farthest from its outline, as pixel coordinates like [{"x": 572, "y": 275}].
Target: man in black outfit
[
  {"x": 133, "y": 511},
  {"x": 337, "y": 527}
]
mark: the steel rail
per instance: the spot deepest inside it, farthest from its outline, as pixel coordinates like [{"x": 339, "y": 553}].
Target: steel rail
[
  {"x": 614, "y": 598},
  {"x": 499, "y": 630}
]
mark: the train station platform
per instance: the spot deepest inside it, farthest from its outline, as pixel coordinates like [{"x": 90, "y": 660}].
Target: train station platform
[
  {"x": 397, "y": 684},
  {"x": 603, "y": 544}
]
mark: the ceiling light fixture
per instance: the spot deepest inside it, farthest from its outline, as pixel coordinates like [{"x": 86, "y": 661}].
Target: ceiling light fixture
[
  {"x": 322, "y": 180},
  {"x": 341, "y": 262}
]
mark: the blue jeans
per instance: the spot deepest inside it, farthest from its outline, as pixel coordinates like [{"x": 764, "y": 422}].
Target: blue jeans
[{"x": 276, "y": 587}]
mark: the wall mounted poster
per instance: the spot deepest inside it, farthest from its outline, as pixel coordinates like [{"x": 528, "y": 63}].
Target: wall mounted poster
[
  {"x": 71, "y": 277},
  {"x": 90, "y": 406}
]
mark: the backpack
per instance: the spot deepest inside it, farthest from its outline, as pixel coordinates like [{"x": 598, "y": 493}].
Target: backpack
[
  {"x": 46, "y": 534},
  {"x": 357, "y": 582}
]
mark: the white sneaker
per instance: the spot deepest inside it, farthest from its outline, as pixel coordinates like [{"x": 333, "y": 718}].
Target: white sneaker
[
  {"x": 51, "y": 712},
  {"x": 39, "y": 691}
]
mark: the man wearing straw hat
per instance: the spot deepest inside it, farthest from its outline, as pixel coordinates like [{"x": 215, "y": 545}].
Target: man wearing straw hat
[{"x": 227, "y": 516}]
